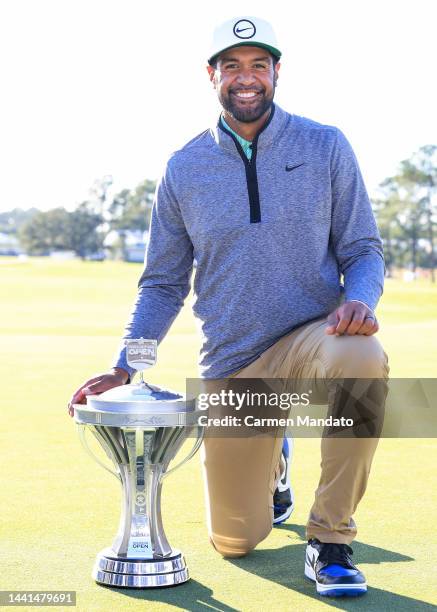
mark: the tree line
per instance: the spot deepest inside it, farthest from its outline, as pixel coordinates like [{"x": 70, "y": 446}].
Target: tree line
[
  {"x": 406, "y": 212},
  {"x": 84, "y": 229},
  {"x": 405, "y": 209}
]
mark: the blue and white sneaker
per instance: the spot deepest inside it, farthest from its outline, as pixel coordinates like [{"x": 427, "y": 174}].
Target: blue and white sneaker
[
  {"x": 283, "y": 498},
  {"x": 331, "y": 568}
]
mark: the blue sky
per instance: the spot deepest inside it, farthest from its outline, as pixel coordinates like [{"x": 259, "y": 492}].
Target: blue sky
[{"x": 100, "y": 87}]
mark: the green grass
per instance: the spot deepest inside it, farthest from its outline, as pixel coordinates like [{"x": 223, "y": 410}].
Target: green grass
[{"x": 61, "y": 323}]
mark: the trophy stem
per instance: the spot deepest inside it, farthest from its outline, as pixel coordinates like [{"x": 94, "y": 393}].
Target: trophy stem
[
  {"x": 161, "y": 546},
  {"x": 141, "y": 533},
  {"x": 141, "y": 555}
]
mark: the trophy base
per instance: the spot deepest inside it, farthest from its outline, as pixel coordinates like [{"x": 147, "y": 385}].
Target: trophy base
[{"x": 111, "y": 570}]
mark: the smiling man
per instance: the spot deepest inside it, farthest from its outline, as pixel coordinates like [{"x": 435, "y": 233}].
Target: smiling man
[
  {"x": 274, "y": 209},
  {"x": 248, "y": 100}
]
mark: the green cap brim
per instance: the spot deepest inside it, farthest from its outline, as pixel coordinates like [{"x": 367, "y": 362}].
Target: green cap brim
[{"x": 248, "y": 43}]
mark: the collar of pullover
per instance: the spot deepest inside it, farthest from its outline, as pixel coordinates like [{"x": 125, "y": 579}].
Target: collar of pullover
[
  {"x": 246, "y": 145},
  {"x": 268, "y": 134}
]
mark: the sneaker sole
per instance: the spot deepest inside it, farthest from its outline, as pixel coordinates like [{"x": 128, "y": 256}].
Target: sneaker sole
[
  {"x": 287, "y": 485},
  {"x": 335, "y": 590}
]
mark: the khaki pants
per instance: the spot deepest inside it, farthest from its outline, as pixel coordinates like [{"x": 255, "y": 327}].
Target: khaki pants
[{"x": 240, "y": 473}]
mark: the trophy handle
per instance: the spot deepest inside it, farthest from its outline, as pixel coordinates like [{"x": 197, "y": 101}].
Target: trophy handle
[
  {"x": 199, "y": 439},
  {"x": 81, "y": 431}
]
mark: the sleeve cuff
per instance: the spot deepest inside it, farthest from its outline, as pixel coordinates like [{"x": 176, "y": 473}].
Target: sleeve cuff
[{"x": 120, "y": 361}]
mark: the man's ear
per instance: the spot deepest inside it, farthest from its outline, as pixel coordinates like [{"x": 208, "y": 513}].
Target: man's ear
[
  {"x": 276, "y": 71},
  {"x": 211, "y": 72}
]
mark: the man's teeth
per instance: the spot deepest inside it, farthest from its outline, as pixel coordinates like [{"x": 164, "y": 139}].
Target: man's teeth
[{"x": 246, "y": 94}]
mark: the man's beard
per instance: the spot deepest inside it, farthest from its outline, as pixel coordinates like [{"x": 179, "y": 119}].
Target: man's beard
[{"x": 249, "y": 113}]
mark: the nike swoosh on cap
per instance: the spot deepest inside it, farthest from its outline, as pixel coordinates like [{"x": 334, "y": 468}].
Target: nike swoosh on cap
[{"x": 238, "y": 30}]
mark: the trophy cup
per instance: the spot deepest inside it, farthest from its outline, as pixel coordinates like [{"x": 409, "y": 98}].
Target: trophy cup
[{"x": 141, "y": 428}]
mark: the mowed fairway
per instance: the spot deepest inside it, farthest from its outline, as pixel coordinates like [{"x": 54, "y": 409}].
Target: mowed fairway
[{"x": 61, "y": 323}]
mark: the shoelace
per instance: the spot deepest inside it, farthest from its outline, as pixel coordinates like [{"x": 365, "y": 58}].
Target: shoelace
[{"x": 336, "y": 554}]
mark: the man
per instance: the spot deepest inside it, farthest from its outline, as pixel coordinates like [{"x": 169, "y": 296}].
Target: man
[{"x": 273, "y": 208}]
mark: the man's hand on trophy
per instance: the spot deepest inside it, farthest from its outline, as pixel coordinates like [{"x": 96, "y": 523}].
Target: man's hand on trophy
[{"x": 97, "y": 385}]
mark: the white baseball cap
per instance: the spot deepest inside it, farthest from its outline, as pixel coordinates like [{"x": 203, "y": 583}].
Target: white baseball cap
[{"x": 249, "y": 31}]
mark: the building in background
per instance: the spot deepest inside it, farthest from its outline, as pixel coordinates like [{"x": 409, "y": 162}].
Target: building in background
[
  {"x": 9, "y": 245},
  {"x": 128, "y": 245}
]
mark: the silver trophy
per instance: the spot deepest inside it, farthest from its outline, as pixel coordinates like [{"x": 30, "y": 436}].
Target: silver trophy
[{"x": 141, "y": 428}]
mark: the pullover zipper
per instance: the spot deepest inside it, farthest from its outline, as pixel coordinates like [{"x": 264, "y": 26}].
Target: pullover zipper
[{"x": 250, "y": 167}]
